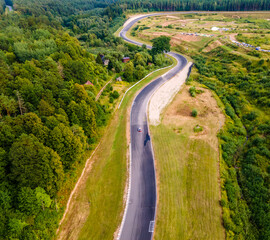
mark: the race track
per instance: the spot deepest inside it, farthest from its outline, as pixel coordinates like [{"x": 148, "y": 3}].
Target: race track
[{"x": 138, "y": 220}]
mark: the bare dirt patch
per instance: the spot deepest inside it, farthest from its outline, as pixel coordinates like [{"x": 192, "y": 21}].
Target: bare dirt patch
[
  {"x": 180, "y": 21},
  {"x": 161, "y": 34},
  {"x": 232, "y": 36},
  {"x": 210, "y": 116},
  {"x": 169, "y": 16},
  {"x": 188, "y": 38},
  {"x": 212, "y": 46},
  {"x": 70, "y": 229}
]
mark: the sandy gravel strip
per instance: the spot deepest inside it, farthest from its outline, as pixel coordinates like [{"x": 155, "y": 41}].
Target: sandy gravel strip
[{"x": 165, "y": 94}]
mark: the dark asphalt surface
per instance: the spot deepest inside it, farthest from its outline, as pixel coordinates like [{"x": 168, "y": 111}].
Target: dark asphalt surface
[{"x": 142, "y": 202}]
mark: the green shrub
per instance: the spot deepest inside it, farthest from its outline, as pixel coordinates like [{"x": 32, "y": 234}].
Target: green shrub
[
  {"x": 194, "y": 113},
  {"x": 198, "y": 128},
  {"x": 114, "y": 94},
  {"x": 193, "y": 91}
]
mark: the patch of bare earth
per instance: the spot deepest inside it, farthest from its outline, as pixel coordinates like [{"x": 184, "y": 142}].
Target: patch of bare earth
[
  {"x": 212, "y": 46},
  {"x": 210, "y": 116},
  {"x": 175, "y": 39},
  {"x": 75, "y": 210},
  {"x": 169, "y": 16},
  {"x": 178, "y": 22},
  {"x": 157, "y": 34},
  {"x": 232, "y": 36},
  {"x": 188, "y": 38}
]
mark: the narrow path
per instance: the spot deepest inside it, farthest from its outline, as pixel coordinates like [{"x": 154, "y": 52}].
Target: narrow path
[{"x": 101, "y": 90}]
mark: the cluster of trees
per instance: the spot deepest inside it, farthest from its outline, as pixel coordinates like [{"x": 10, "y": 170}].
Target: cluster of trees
[
  {"x": 245, "y": 140},
  {"x": 64, "y": 8},
  {"x": 142, "y": 63},
  {"x": 142, "y": 60},
  {"x": 48, "y": 119},
  {"x": 191, "y": 5}
]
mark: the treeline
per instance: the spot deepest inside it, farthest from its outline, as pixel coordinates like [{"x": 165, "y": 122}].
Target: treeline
[
  {"x": 58, "y": 7},
  {"x": 2, "y": 6},
  {"x": 195, "y": 5},
  {"x": 245, "y": 140}
]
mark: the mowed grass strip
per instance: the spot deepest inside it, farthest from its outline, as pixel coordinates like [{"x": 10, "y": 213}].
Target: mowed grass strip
[
  {"x": 187, "y": 170},
  {"x": 97, "y": 208}
]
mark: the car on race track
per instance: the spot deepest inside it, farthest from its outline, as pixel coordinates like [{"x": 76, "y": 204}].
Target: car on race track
[{"x": 139, "y": 130}]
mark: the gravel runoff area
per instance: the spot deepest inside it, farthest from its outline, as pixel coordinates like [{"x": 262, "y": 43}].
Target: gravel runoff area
[{"x": 165, "y": 94}]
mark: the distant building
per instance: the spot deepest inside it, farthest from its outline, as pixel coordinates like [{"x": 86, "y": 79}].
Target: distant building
[
  {"x": 102, "y": 57},
  {"x": 119, "y": 79},
  {"x": 106, "y": 62},
  {"x": 125, "y": 59},
  {"x": 88, "y": 83}
]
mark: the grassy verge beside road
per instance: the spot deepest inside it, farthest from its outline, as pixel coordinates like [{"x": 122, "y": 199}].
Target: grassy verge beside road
[
  {"x": 188, "y": 169},
  {"x": 95, "y": 212}
]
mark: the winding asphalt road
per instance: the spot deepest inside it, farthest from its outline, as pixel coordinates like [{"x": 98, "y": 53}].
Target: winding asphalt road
[{"x": 138, "y": 221}]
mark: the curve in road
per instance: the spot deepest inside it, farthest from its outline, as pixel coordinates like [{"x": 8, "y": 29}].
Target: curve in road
[{"x": 139, "y": 218}]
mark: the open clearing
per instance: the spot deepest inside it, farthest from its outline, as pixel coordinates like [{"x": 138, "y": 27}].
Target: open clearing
[{"x": 188, "y": 169}]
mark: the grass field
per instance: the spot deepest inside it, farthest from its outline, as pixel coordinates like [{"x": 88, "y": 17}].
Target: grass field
[
  {"x": 187, "y": 169},
  {"x": 95, "y": 212}
]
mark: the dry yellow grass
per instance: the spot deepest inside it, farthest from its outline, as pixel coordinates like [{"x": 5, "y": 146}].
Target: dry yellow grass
[{"x": 187, "y": 169}]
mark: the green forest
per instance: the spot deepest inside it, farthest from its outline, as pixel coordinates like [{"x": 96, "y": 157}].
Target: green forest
[
  {"x": 192, "y": 5},
  {"x": 49, "y": 119}
]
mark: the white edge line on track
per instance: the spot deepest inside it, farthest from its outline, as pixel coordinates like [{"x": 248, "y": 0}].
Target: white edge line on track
[
  {"x": 154, "y": 220},
  {"x": 128, "y": 196},
  {"x": 140, "y": 81}
]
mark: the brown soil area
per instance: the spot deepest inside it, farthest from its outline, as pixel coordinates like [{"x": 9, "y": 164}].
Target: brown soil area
[
  {"x": 212, "y": 46},
  {"x": 188, "y": 38},
  {"x": 157, "y": 34},
  {"x": 169, "y": 16},
  {"x": 182, "y": 22},
  {"x": 232, "y": 36},
  {"x": 210, "y": 116},
  {"x": 175, "y": 40},
  {"x": 77, "y": 212}
]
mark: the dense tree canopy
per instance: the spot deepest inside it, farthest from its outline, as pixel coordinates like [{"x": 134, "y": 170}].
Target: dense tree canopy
[
  {"x": 190, "y": 5},
  {"x": 48, "y": 118},
  {"x": 161, "y": 44}
]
